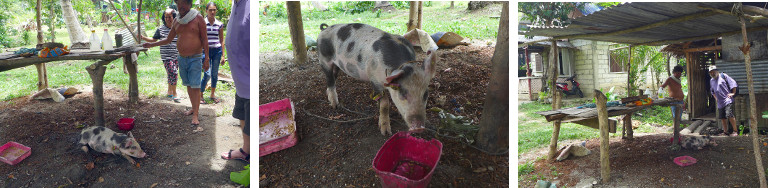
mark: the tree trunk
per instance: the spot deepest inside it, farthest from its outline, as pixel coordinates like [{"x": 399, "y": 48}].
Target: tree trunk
[
  {"x": 53, "y": 21},
  {"x": 421, "y": 6},
  {"x": 451, "y": 5},
  {"x": 553, "y": 64},
  {"x": 413, "y": 16},
  {"x": 494, "y": 124},
  {"x": 753, "y": 106},
  {"x": 474, "y": 5},
  {"x": 296, "y": 26},
  {"x": 39, "y": 23},
  {"x": 76, "y": 33},
  {"x": 669, "y": 58}
]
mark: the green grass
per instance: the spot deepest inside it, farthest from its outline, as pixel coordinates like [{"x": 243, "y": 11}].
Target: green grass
[
  {"x": 275, "y": 35},
  {"x": 151, "y": 77},
  {"x": 525, "y": 169},
  {"x": 660, "y": 115}
]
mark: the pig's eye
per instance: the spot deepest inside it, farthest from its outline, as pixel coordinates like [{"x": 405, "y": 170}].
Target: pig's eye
[{"x": 425, "y": 96}]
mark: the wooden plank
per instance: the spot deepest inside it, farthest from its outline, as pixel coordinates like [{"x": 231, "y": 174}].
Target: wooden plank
[
  {"x": 703, "y": 49},
  {"x": 602, "y": 113},
  {"x": 79, "y": 54},
  {"x": 594, "y": 123}
]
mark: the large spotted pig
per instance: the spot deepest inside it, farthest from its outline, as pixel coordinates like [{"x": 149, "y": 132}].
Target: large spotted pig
[
  {"x": 104, "y": 140},
  {"x": 698, "y": 142},
  {"x": 385, "y": 60}
]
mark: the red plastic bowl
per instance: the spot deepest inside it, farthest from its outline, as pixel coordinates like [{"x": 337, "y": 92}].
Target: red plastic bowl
[
  {"x": 125, "y": 124},
  {"x": 13, "y": 152},
  {"x": 685, "y": 160},
  {"x": 406, "y": 161}
]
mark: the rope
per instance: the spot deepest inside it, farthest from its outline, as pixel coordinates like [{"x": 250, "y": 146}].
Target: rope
[
  {"x": 340, "y": 121},
  {"x": 460, "y": 141}
]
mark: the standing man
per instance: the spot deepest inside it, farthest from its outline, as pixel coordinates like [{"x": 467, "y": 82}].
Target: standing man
[
  {"x": 238, "y": 44},
  {"x": 723, "y": 88},
  {"x": 675, "y": 89}
]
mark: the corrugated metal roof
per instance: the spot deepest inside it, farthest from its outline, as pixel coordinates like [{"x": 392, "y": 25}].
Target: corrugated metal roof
[
  {"x": 562, "y": 44},
  {"x": 631, "y": 15},
  {"x": 738, "y": 72}
]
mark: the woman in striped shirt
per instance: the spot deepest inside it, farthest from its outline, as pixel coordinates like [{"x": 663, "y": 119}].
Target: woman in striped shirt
[
  {"x": 215, "y": 49},
  {"x": 168, "y": 53}
]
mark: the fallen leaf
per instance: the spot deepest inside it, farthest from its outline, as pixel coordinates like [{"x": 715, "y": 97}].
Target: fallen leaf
[
  {"x": 765, "y": 143},
  {"x": 90, "y": 166},
  {"x": 479, "y": 170},
  {"x": 138, "y": 165},
  {"x": 662, "y": 180},
  {"x": 741, "y": 148},
  {"x": 188, "y": 162},
  {"x": 263, "y": 177},
  {"x": 101, "y": 179},
  {"x": 11, "y": 176},
  {"x": 153, "y": 185}
]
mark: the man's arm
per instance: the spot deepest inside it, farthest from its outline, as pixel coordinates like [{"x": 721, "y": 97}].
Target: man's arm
[
  {"x": 665, "y": 83},
  {"x": 167, "y": 40},
  {"x": 221, "y": 40},
  {"x": 204, "y": 41}
]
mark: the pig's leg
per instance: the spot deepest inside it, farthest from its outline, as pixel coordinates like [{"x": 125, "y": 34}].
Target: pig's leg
[
  {"x": 331, "y": 72},
  {"x": 384, "y": 114},
  {"x": 129, "y": 159},
  {"x": 84, "y": 137}
]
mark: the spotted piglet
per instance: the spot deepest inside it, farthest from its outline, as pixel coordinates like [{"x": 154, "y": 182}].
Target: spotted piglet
[
  {"x": 385, "y": 60},
  {"x": 698, "y": 142},
  {"x": 104, "y": 140}
]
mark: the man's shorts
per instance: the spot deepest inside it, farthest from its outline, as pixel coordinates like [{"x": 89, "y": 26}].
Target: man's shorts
[
  {"x": 191, "y": 69},
  {"x": 725, "y": 112},
  {"x": 242, "y": 111}
]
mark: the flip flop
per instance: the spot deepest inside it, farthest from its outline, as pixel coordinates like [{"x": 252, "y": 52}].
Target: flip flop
[
  {"x": 174, "y": 99},
  {"x": 215, "y": 100},
  {"x": 228, "y": 156}
]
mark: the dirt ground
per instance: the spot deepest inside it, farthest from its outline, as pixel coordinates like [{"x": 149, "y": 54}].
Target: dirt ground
[
  {"x": 333, "y": 154},
  {"x": 177, "y": 156},
  {"x": 647, "y": 161}
]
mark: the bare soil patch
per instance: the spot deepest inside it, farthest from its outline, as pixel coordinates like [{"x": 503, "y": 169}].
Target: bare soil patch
[{"x": 176, "y": 155}]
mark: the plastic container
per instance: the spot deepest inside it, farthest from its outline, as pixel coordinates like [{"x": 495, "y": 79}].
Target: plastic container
[
  {"x": 95, "y": 43},
  {"x": 106, "y": 41},
  {"x": 125, "y": 124},
  {"x": 13, "y": 152},
  {"x": 277, "y": 128},
  {"x": 406, "y": 161},
  {"x": 685, "y": 160}
]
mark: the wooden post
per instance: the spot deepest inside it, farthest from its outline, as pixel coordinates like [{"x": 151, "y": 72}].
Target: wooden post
[
  {"x": 138, "y": 23},
  {"x": 451, "y": 5},
  {"x": 42, "y": 75},
  {"x": 39, "y": 23},
  {"x": 753, "y": 106},
  {"x": 96, "y": 72},
  {"x": 133, "y": 85},
  {"x": 297, "y": 32},
  {"x": 602, "y": 117},
  {"x": 627, "y": 119},
  {"x": 412, "y": 15},
  {"x": 629, "y": 61},
  {"x": 555, "y": 101},
  {"x": 135, "y": 37},
  {"x": 418, "y": 23}
]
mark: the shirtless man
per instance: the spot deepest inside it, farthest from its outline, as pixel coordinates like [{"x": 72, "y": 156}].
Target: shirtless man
[
  {"x": 193, "y": 48},
  {"x": 675, "y": 89}
]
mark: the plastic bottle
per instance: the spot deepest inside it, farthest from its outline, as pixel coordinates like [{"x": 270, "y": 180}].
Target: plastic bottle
[
  {"x": 661, "y": 93},
  {"x": 648, "y": 92},
  {"x": 106, "y": 42},
  {"x": 95, "y": 44}
]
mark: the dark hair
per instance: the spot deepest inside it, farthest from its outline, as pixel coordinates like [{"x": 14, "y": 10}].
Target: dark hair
[
  {"x": 209, "y": 5},
  {"x": 678, "y": 68},
  {"x": 173, "y": 14}
]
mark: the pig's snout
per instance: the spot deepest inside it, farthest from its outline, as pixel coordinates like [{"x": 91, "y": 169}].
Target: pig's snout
[
  {"x": 416, "y": 125},
  {"x": 142, "y": 155}
]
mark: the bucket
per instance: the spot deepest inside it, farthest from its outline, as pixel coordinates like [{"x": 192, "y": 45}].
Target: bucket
[{"x": 406, "y": 161}]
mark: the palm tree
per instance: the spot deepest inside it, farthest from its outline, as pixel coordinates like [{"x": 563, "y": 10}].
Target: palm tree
[{"x": 76, "y": 33}]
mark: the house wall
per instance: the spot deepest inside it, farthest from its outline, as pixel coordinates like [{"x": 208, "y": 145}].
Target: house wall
[{"x": 593, "y": 68}]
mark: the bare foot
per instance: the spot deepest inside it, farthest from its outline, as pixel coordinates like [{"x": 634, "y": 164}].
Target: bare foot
[{"x": 195, "y": 121}]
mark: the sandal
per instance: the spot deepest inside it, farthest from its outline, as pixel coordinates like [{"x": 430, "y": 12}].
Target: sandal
[
  {"x": 174, "y": 99},
  {"x": 228, "y": 156},
  {"x": 215, "y": 100}
]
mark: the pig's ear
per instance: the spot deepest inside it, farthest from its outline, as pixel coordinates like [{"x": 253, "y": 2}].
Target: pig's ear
[
  {"x": 393, "y": 76},
  {"x": 127, "y": 143},
  {"x": 430, "y": 63},
  {"x": 130, "y": 134}
]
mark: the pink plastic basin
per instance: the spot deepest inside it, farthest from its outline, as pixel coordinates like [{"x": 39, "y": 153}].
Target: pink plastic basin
[
  {"x": 13, "y": 152},
  {"x": 277, "y": 127},
  {"x": 685, "y": 160},
  {"x": 125, "y": 124},
  {"x": 406, "y": 161}
]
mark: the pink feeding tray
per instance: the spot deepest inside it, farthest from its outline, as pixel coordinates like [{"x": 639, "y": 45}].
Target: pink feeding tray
[
  {"x": 685, "y": 160},
  {"x": 125, "y": 124},
  {"x": 13, "y": 152},
  {"x": 277, "y": 128},
  {"x": 406, "y": 161}
]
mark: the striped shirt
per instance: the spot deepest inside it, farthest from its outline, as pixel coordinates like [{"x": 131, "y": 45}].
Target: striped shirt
[
  {"x": 168, "y": 51},
  {"x": 213, "y": 33}
]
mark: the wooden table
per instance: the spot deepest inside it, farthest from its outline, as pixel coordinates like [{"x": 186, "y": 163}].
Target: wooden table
[
  {"x": 95, "y": 70},
  {"x": 593, "y": 117}
]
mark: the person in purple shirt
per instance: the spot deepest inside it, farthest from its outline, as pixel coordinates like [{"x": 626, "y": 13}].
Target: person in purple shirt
[
  {"x": 238, "y": 44},
  {"x": 723, "y": 88}
]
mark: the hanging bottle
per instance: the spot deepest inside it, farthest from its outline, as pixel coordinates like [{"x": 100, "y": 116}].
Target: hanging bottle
[
  {"x": 95, "y": 43},
  {"x": 106, "y": 42}
]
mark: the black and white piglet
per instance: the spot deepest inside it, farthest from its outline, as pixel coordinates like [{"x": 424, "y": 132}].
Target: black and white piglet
[
  {"x": 104, "y": 140},
  {"x": 698, "y": 142}
]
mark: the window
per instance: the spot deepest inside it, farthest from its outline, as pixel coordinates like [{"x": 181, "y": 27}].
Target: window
[
  {"x": 564, "y": 62},
  {"x": 616, "y": 61}
]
